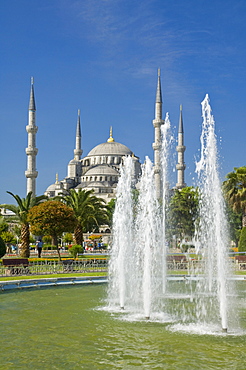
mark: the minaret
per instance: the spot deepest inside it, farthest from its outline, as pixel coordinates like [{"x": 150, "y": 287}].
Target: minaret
[
  {"x": 180, "y": 149},
  {"x": 31, "y": 150},
  {"x": 157, "y": 122},
  {"x": 78, "y": 151}
]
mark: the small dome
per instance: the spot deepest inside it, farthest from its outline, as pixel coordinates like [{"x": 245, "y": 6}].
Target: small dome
[
  {"x": 56, "y": 186},
  {"x": 110, "y": 148},
  {"x": 52, "y": 187},
  {"x": 74, "y": 161},
  {"x": 101, "y": 170}
]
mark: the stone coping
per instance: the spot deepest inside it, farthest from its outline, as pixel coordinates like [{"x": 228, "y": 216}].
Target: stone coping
[{"x": 45, "y": 282}]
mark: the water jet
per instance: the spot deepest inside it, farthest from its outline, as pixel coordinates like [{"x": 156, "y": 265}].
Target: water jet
[{"x": 138, "y": 278}]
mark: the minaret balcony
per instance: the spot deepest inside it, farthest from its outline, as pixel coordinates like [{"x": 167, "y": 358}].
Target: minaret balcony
[
  {"x": 31, "y": 151},
  {"x": 31, "y": 174},
  {"x": 157, "y": 170},
  {"x": 180, "y": 167},
  {"x": 158, "y": 122},
  {"x": 156, "y": 146},
  {"x": 31, "y": 129},
  {"x": 180, "y": 148}
]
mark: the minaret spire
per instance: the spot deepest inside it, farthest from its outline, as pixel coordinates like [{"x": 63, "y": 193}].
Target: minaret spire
[
  {"x": 157, "y": 122},
  {"x": 78, "y": 151},
  {"x": 31, "y": 150},
  {"x": 180, "y": 149}
]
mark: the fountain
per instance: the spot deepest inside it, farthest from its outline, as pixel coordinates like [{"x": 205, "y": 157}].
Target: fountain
[
  {"x": 119, "y": 264},
  {"x": 212, "y": 233},
  {"x": 138, "y": 260}
]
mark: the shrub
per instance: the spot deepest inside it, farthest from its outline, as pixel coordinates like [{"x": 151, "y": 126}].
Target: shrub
[
  {"x": 2, "y": 248},
  {"x": 242, "y": 240},
  {"x": 49, "y": 247},
  {"x": 186, "y": 247},
  {"x": 75, "y": 249}
]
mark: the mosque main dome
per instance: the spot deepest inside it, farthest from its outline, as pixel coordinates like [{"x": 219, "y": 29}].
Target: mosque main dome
[{"x": 110, "y": 148}]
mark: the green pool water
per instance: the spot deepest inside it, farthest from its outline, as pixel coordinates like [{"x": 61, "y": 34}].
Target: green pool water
[{"x": 64, "y": 328}]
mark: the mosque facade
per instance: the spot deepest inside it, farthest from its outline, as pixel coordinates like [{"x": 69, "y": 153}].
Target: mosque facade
[{"x": 100, "y": 168}]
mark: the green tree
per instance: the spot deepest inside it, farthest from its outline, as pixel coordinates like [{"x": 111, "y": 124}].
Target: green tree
[
  {"x": 24, "y": 205},
  {"x": 89, "y": 211},
  {"x": 67, "y": 238},
  {"x": 235, "y": 191},
  {"x": 235, "y": 224},
  {"x": 51, "y": 218},
  {"x": 47, "y": 239},
  {"x": 8, "y": 237},
  {"x": 110, "y": 211},
  {"x": 183, "y": 212},
  {"x": 3, "y": 225},
  {"x": 242, "y": 240}
]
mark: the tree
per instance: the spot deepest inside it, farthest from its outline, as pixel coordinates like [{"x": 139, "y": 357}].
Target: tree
[
  {"x": 235, "y": 191},
  {"x": 3, "y": 225},
  {"x": 183, "y": 212},
  {"x": 8, "y": 238},
  {"x": 235, "y": 224},
  {"x": 67, "y": 238},
  {"x": 24, "y": 205},
  {"x": 110, "y": 211},
  {"x": 89, "y": 211},
  {"x": 51, "y": 218},
  {"x": 242, "y": 240}
]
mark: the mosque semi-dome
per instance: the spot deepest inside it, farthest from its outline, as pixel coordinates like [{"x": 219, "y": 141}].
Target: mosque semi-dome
[{"x": 102, "y": 169}]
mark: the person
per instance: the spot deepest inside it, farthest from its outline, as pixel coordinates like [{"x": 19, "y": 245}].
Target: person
[{"x": 39, "y": 245}]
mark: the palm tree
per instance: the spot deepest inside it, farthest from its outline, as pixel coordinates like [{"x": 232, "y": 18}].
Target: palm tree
[
  {"x": 21, "y": 212},
  {"x": 89, "y": 211},
  {"x": 235, "y": 191}
]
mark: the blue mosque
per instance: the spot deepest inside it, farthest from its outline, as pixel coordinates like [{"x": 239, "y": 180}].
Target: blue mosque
[{"x": 100, "y": 168}]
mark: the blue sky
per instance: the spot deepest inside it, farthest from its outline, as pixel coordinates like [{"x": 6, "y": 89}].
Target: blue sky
[{"x": 102, "y": 56}]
